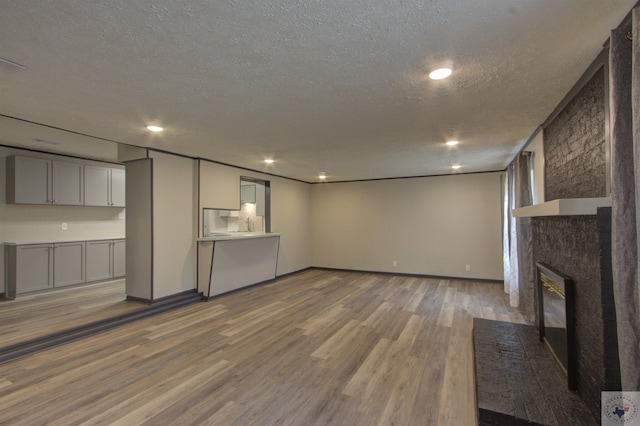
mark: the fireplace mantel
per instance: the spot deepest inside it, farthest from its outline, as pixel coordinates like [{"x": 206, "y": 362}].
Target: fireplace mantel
[{"x": 564, "y": 207}]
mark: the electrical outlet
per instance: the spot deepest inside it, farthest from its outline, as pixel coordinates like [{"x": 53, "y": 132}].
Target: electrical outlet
[
  {"x": 467, "y": 267},
  {"x": 63, "y": 226},
  {"x": 121, "y": 215},
  {"x": 395, "y": 263}
]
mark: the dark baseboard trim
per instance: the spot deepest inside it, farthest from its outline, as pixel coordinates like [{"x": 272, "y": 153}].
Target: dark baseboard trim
[
  {"x": 19, "y": 350},
  {"x": 226, "y": 293},
  {"x": 402, "y": 274},
  {"x": 138, "y": 299},
  {"x": 294, "y": 272},
  {"x": 182, "y": 294}
]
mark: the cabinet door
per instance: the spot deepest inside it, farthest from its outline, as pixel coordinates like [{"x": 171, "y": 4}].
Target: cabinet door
[
  {"x": 99, "y": 260},
  {"x": 68, "y": 264},
  {"x": 260, "y": 200},
  {"x": 68, "y": 181},
  {"x": 248, "y": 194},
  {"x": 97, "y": 182},
  {"x": 30, "y": 181},
  {"x": 34, "y": 267},
  {"x": 117, "y": 187},
  {"x": 219, "y": 186},
  {"x": 119, "y": 251}
]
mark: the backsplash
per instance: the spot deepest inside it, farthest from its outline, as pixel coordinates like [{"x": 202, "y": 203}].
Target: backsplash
[{"x": 243, "y": 220}]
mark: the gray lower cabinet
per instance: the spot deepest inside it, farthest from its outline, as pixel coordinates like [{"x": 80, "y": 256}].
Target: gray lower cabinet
[
  {"x": 30, "y": 268},
  {"x": 105, "y": 259},
  {"x": 34, "y": 267},
  {"x": 68, "y": 263},
  {"x": 119, "y": 256},
  {"x": 99, "y": 264}
]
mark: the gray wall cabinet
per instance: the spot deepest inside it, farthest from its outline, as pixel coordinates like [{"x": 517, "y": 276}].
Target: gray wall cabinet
[
  {"x": 33, "y": 180},
  {"x": 41, "y": 181},
  {"x": 248, "y": 193},
  {"x": 104, "y": 186}
]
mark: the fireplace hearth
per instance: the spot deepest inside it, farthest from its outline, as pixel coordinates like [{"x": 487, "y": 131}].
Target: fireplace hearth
[{"x": 556, "y": 323}]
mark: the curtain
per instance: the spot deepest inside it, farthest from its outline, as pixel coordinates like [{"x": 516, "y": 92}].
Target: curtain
[
  {"x": 624, "y": 82},
  {"x": 506, "y": 236},
  {"x": 517, "y": 246}
]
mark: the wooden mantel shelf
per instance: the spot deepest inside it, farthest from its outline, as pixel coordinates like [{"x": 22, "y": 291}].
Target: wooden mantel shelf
[{"x": 564, "y": 207}]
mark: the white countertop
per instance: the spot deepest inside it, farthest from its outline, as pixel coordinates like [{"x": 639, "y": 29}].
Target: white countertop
[
  {"x": 19, "y": 243},
  {"x": 222, "y": 236},
  {"x": 564, "y": 207}
]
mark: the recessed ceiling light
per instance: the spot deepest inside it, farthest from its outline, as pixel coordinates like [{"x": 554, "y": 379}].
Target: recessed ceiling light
[
  {"x": 456, "y": 166},
  {"x": 440, "y": 73},
  {"x": 154, "y": 128},
  {"x": 452, "y": 143},
  {"x": 322, "y": 175},
  {"x": 268, "y": 161}
]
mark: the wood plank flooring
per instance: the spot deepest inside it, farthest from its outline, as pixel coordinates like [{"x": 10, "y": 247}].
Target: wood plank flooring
[
  {"x": 315, "y": 348},
  {"x": 38, "y": 314}
]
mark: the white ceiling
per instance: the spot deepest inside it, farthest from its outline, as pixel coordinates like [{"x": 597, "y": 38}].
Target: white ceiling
[{"x": 333, "y": 86}]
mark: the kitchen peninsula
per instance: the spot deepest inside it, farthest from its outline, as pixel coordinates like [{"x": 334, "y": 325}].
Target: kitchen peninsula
[{"x": 228, "y": 261}]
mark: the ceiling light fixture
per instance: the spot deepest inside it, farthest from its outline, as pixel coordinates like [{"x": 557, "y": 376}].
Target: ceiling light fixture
[
  {"x": 452, "y": 143},
  {"x": 322, "y": 175},
  {"x": 440, "y": 73},
  {"x": 268, "y": 161},
  {"x": 154, "y": 128},
  {"x": 456, "y": 166}
]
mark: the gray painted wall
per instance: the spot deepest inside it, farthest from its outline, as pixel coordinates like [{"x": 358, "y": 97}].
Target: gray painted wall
[
  {"x": 432, "y": 225},
  {"x": 174, "y": 224}
]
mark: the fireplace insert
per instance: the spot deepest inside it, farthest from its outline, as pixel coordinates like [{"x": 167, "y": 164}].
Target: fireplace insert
[{"x": 556, "y": 319}]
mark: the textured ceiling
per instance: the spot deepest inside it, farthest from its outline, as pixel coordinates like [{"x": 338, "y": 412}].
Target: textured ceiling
[{"x": 333, "y": 86}]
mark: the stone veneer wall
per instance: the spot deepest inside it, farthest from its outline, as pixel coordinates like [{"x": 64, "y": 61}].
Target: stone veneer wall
[
  {"x": 574, "y": 146},
  {"x": 580, "y": 247}
]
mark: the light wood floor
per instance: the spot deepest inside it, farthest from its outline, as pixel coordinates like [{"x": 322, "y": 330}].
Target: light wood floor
[
  {"x": 37, "y": 314},
  {"x": 318, "y": 347}
]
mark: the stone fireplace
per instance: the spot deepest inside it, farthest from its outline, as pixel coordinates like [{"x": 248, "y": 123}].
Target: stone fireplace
[
  {"x": 518, "y": 381},
  {"x": 580, "y": 247}
]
